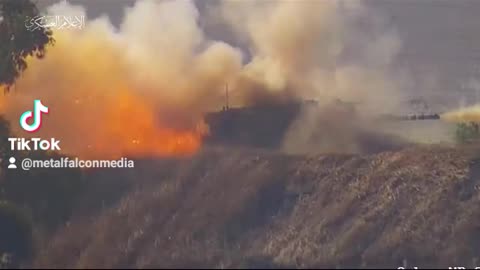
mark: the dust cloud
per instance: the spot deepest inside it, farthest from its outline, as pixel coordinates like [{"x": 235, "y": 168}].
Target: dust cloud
[{"x": 142, "y": 89}]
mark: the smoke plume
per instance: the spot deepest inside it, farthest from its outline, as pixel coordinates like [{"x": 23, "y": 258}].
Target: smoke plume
[
  {"x": 468, "y": 114},
  {"x": 142, "y": 89}
]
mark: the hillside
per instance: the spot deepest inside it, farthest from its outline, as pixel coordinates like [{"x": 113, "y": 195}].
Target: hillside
[{"x": 247, "y": 208}]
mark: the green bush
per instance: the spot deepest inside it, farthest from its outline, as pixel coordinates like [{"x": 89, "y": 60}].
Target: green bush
[
  {"x": 16, "y": 234},
  {"x": 467, "y": 132}
]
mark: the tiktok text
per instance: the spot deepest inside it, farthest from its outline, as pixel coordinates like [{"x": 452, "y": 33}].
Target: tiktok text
[{"x": 22, "y": 144}]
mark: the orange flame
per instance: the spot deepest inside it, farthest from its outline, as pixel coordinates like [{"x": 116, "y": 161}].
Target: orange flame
[
  {"x": 98, "y": 109},
  {"x": 130, "y": 128}
]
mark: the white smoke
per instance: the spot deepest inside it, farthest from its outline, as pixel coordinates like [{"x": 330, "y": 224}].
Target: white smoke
[{"x": 162, "y": 56}]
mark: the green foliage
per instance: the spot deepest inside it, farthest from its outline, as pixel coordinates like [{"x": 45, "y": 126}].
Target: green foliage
[
  {"x": 16, "y": 237},
  {"x": 467, "y": 132},
  {"x": 16, "y": 41}
]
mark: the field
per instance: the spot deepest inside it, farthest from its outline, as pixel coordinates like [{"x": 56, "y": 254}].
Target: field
[{"x": 249, "y": 208}]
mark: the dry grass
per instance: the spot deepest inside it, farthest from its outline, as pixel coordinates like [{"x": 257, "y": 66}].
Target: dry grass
[{"x": 239, "y": 208}]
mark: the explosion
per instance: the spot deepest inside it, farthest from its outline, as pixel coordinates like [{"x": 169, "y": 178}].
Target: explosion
[
  {"x": 468, "y": 114},
  {"x": 143, "y": 87},
  {"x": 132, "y": 130},
  {"x": 95, "y": 109}
]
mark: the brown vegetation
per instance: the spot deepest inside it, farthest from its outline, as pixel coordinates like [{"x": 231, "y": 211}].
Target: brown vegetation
[{"x": 242, "y": 208}]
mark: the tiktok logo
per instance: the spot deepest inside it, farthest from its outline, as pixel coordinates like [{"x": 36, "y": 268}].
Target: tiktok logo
[
  {"x": 38, "y": 109},
  {"x": 33, "y": 144}
]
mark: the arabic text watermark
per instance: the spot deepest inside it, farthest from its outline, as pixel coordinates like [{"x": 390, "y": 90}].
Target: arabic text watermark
[{"x": 55, "y": 22}]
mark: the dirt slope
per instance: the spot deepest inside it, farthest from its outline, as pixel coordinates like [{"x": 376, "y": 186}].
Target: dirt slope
[{"x": 232, "y": 208}]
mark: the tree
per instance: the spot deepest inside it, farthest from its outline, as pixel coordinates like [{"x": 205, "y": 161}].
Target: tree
[{"x": 16, "y": 41}]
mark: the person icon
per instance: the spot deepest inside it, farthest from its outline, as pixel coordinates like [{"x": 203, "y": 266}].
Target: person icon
[{"x": 12, "y": 163}]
